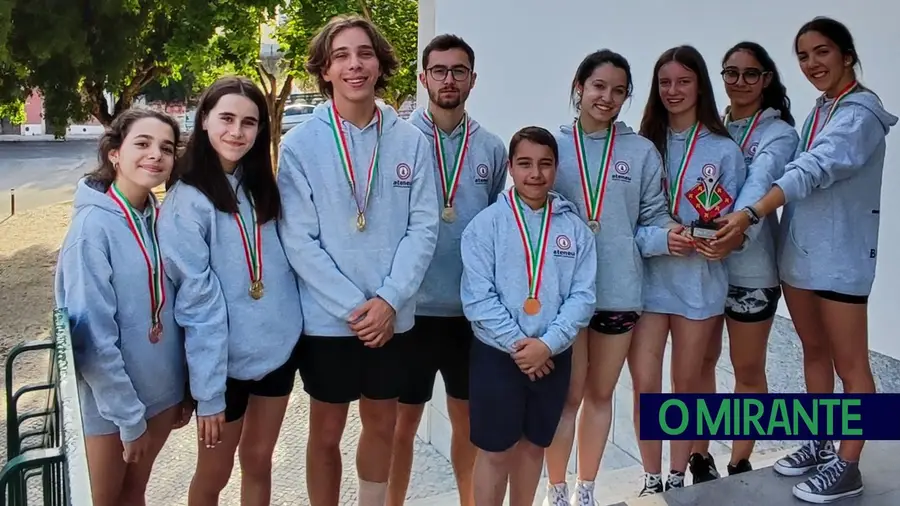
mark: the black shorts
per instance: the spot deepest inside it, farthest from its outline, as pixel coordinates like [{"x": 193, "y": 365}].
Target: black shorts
[
  {"x": 614, "y": 322},
  {"x": 752, "y": 305},
  {"x": 842, "y": 297},
  {"x": 278, "y": 383},
  {"x": 339, "y": 370},
  {"x": 507, "y": 406},
  {"x": 438, "y": 344}
]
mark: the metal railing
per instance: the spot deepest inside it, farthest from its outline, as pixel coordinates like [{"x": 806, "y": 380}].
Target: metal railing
[{"x": 46, "y": 443}]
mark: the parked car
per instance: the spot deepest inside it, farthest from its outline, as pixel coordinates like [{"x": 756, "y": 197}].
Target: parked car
[{"x": 295, "y": 114}]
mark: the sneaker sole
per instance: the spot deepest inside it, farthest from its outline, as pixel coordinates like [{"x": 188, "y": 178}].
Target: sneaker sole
[
  {"x": 824, "y": 499},
  {"x": 792, "y": 471}
]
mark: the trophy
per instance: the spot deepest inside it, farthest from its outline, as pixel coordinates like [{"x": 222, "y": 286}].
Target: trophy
[{"x": 708, "y": 198}]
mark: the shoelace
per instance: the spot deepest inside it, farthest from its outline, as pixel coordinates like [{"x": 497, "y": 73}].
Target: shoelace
[
  {"x": 804, "y": 453},
  {"x": 828, "y": 474},
  {"x": 585, "y": 496}
]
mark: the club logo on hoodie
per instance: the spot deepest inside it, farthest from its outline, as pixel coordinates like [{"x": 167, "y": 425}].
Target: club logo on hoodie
[
  {"x": 563, "y": 247},
  {"x": 481, "y": 174},
  {"x": 404, "y": 176},
  {"x": 621, "y": 172}
]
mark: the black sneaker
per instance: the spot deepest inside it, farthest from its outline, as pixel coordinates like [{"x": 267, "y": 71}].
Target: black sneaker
[
  {"x": 675, "y": 480},
  {"x": 806, "y": 458},
  {"x": 703, "y": 468},
  {"x": 652, "y": 485},
  {"x": 742, "y": 466},
  {"x": 838, "y": 479}
]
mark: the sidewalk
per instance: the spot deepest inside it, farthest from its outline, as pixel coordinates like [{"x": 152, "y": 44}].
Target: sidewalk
[
  {"x": 48, "y": 138},
  {"x": 432, "y": 474}
]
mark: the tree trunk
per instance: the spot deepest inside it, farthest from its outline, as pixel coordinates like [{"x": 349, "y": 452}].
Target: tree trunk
[{"x": 275, "y": 100}]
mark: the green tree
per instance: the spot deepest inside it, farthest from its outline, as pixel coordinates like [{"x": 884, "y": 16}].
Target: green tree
[{"x": 80, "y": 53}]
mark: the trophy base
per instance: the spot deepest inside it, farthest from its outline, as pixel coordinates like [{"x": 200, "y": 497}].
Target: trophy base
[{"x": 704, "y": 230}]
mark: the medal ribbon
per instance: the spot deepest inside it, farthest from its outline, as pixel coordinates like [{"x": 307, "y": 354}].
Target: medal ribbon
[
  {"x": 341, "y": 141},
  {"x": 252, "y": 249},
  {"x": 593, "y": 197},
  {"x": 748, "y": 131},
  {"x": 154, "y": 263},
  {"x": 534, "y": 256},
  {"x": 450, "y": 182},
  {"x": 809, "y": 130},
  {"x": 678, "y": 182}
]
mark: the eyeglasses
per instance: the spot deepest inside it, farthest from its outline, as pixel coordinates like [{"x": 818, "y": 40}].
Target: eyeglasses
[
  {"x": 751, "y": 76},
  {"x": 440, "y": 73}
]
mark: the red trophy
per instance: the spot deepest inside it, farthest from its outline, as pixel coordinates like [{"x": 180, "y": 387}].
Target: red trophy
[{"x": 708, "y": 198}]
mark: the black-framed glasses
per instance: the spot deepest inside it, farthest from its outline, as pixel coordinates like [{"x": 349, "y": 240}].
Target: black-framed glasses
[
  {"x": 439, "y": 73},
  {"x": 751, "y": 76}
]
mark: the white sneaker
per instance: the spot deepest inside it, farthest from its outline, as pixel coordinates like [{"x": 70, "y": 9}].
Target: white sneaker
[
  {"x": 557, "y": 495},
  {"x": 584, "y": 494}
]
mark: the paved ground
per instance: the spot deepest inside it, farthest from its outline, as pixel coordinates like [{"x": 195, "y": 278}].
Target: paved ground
[
  {"x": 43, "y": 172},
  {"x": 432, "y": 474},
  {"x": 879, "y": 469}
]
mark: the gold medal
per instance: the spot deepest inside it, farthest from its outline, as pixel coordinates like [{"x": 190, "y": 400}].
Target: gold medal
[
  {"x": 360, "y": 222},
  {"x": 256, "y": 290},
  {"x": 594, "y": 226},
  {"x": 532, "y": 306},
  {"x": 448, "y": 214},
  {"x": 155, "y": 332}
]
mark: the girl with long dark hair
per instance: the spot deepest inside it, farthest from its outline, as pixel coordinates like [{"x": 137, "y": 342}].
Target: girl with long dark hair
[
  {"x": 613, "y": 176},
  {"x": 237, "y": 296},
  {"x": 684, "y": 293},
  {"x": 759, "y": 120},
  {"x": 831, "y": 193},
  {"x": 128, "y": 348}
]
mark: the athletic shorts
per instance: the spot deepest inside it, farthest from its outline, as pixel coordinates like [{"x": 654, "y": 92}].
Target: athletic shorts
[
  {"x": 506, "y": 406},
  {"x": 339, "y": 370},
  {"x": 842, "y": 297},
  {"x": 614, "y": 322},
  {"x": 278, "y": 383},
  {"x": 752, "y": 305},
  {"x": 438, "y": 344}
]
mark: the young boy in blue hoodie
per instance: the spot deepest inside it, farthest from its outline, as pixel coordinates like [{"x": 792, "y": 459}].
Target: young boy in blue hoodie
[
  {"x": 471, "y": 173},
  {"x": 529, "y": 270},
  {"x": 360, "y": 226}
]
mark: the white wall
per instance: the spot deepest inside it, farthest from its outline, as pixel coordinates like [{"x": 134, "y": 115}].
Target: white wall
[{"x": 526, "y": 52}]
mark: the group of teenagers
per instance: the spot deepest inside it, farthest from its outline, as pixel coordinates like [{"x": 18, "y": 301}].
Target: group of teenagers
[{"x": 384, "y": 251}]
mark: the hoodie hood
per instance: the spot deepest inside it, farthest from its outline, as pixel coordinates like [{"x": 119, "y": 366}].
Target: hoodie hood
[
  {"x": 420, "y": 119},
  {"x": 621, "y": 129},
  {"x": 560, "y": 204},
  {"x": 870, "y": 101},
  {"x": 768, "y": 114},
  {"x": 91, "y": 193},
  {"x": 388, "y": 114}
]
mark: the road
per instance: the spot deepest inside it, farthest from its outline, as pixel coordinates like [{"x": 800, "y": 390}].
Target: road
[{"x": 43, "y": 172}]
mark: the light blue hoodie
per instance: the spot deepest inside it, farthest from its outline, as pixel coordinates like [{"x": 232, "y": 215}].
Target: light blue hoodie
[
  {"x": 769, "y": 148},
  {"x": 633, "y": 199},
  {"x": 692, "y": 286},
  {"x": 495, "y": 276},
  {"x": 228, "y": 334},
  {"x": 831, "y": 221},
  {"x": 340, "y": 267},
  {"x": 102, "y": 279},
  {"x": 482, "y": 179}
]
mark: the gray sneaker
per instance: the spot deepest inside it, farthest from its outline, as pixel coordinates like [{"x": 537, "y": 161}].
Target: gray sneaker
[
  {"x": 838, "y": 479},
  {"x": 806, "y": 458}
]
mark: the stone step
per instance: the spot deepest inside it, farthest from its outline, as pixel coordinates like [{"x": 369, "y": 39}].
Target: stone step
[
  {"x": 618, "y": 487},
  {"x": 880, "y": 469}
]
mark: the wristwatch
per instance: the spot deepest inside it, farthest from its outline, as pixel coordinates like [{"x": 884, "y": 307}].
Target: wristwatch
[{"x": 751, "y": 213}]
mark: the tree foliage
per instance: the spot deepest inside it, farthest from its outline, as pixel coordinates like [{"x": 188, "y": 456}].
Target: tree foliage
[
  {"x": 397, "y": 19},
  {"x": 76, "y": 52}
]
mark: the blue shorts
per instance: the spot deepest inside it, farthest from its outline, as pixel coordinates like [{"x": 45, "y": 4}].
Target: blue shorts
[{"x": 505, "y": 406}]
